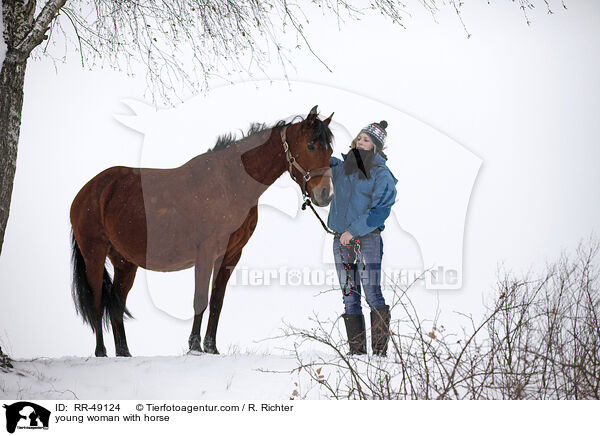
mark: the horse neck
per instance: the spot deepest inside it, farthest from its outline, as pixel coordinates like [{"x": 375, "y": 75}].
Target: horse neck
[{"x": 266, "y": 163}]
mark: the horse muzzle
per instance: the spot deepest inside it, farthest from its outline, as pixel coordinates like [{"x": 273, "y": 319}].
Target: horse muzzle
[{"x": 322, "y": 194}]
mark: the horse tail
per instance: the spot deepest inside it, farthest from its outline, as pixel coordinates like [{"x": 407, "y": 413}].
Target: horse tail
[{"x": 82, "y": 292}]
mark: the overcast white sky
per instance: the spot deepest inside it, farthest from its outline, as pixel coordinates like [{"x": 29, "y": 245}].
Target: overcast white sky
[{"x": 525, "y": 100}]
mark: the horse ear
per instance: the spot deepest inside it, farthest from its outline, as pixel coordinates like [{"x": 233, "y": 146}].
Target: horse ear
[
  {"x": 328, "y": 120},
  {"x": 312, "y": 115}
]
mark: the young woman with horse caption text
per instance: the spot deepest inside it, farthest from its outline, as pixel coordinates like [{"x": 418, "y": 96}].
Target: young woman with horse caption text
[{"x": 364, "y": 194}]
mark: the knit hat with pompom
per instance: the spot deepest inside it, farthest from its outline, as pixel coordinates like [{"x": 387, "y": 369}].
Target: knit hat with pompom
[{"x": 377, "y": 133}]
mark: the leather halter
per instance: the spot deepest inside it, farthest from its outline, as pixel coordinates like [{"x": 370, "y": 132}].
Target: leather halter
[{"x": 306, "y": 175}]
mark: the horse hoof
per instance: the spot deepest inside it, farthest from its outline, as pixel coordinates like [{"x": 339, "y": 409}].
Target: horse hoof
[
  {"x": 124, "y": 353},
  {"x": 195, "y": 347},
  {"x": 100, "y": 352},
  {"x": 195, "y": 353},
  {"x": 210, "y": 347}
]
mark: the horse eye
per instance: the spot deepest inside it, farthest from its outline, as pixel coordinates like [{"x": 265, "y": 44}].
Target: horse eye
[{"x": 311, "y": 146}]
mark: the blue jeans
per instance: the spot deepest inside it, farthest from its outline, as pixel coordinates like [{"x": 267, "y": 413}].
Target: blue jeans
[{"x": 369, "y": 273}]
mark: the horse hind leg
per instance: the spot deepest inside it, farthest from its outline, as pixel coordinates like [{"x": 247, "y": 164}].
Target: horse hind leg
[
  {"x": 90, "y": 282},
  {"x": 124, "y": 276}
]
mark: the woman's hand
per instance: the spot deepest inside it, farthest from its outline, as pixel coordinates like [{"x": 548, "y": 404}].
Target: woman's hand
[{"x": 345, "y": 238}]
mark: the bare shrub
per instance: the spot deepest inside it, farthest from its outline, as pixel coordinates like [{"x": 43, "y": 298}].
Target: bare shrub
[
  {"x": 538, "y": 339},
  {"x": 5, "y": 362}
]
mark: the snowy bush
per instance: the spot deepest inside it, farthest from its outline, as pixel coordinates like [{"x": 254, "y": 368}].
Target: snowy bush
[
  {"x": 5, "y": 363},
  {"x": 539, "y": 339}
]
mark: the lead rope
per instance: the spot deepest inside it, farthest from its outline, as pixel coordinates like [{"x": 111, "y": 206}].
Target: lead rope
[
  {"x": 308, "y": 203},
  {"x": 358, "y": 256}
]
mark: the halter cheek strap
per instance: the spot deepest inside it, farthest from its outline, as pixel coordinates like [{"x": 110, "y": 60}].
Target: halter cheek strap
[{"x": 306, "y": 175}]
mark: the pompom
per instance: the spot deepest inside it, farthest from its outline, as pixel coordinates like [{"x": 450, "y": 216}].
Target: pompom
[{"x": 383, "y": 124}]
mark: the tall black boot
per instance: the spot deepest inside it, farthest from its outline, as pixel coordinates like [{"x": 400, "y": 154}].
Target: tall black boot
[
  {"x": 380, "y": 330},
  {"x": 357, "y": 336}
]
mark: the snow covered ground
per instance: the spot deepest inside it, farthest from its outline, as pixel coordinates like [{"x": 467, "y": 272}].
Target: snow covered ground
[{"x": 222, "y": 377}]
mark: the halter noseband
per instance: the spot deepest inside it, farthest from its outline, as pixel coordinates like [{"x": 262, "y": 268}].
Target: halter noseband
[{"x": 306, "y": 175}]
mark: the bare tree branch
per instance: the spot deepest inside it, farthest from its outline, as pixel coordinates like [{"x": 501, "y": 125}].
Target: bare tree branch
[{"x": 41, "y": 25}]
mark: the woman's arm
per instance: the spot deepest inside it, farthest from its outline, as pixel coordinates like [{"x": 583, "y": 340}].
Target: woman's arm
[
  {"x": 334, "y": 164},
  {"x": 383, "y": 198}
]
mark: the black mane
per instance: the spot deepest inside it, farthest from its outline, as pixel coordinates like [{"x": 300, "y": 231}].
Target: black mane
[
  {"x": 321, "y": 134},
  {"x": 224, "y": 141}
]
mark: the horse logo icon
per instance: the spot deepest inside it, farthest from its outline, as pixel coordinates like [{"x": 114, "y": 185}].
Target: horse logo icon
[{"x": 26, "y": 415}]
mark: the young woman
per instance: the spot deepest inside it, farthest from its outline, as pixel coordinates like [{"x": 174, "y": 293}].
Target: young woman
[{"x": 364, "y": 194}]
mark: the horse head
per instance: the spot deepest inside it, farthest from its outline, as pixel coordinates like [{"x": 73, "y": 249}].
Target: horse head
[{"x": 307, "y": 144}]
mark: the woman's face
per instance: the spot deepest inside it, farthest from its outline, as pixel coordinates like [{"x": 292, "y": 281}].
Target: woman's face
[{"x": 363, "y": 141}]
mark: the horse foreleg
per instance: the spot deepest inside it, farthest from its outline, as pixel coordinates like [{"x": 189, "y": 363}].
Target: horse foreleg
[
  {"x": 223, "y": 272},
  {"x": 203, "y": 269},
  {"x": 220, "y": 280}
]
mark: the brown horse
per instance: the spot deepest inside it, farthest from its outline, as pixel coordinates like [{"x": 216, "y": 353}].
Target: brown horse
[{"x": 201, "y": 214}]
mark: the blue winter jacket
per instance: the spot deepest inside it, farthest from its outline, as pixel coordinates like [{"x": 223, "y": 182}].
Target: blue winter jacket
[{"x": 361, "y": 206}]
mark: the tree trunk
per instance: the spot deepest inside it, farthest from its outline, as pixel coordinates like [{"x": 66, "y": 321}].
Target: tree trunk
[{"x": 12, "y": 79}]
